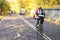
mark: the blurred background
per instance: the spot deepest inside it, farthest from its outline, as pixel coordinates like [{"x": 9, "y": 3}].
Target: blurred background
[
  {"x": 28, "y": 7},
  {"x": 17, "y": 23}
]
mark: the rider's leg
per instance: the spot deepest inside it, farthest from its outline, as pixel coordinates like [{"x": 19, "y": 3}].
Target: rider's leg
[
  {"x": 42, "y": 21},
  {"x": 37, "y": 21}
]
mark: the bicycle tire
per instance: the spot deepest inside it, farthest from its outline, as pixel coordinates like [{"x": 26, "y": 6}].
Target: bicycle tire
[{"x": 39, "y": 29}]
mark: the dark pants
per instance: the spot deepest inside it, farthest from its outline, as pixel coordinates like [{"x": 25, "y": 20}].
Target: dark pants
[{"x": 41, "y": 19}]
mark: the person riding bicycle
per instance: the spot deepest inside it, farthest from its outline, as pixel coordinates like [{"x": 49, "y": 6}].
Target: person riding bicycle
[{"x": 41, "y": 15}]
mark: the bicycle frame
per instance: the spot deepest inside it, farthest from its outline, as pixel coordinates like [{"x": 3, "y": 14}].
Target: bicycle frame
[{"x": 40, "y": 28}]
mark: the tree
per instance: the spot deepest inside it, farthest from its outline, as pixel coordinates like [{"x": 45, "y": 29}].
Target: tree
[
  {"x": 4, "y": 6},
  {"x": 53, "y": 2},
  {"x": 58, "y": 1},
  {"x": 1, "y": 3}
]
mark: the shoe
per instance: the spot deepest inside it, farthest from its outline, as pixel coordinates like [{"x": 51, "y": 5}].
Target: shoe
[{"x": 37, "y": 25}]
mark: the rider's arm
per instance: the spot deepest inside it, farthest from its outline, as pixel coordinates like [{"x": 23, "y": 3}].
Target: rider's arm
[
  {"x": 36, "y": 12},
  {"x": 44, "y": 14}
]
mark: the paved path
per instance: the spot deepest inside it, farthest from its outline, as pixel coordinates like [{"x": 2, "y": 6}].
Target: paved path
[
  {"x": 50, "y": 29},
  {"x": 13, "y": 28}
]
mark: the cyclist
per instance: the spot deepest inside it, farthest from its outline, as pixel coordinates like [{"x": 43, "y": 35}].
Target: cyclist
[{"x": 41, "y": 15}]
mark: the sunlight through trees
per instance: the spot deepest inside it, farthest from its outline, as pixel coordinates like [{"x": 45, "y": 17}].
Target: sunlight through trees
[{"x": 15, "y": 5}]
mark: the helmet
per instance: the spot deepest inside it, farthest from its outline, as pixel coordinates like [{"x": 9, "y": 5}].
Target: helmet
[{"x": 40, "y": 7}]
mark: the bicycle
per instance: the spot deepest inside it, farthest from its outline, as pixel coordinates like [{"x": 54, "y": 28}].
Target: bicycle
[{"x": 39, "y": 29}]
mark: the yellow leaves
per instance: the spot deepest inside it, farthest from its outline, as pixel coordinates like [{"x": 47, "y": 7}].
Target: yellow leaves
[
  {"x": 1, "y": 17},
  {"x": 31, "y": 4},
  {"x": 14, "y": 6}
]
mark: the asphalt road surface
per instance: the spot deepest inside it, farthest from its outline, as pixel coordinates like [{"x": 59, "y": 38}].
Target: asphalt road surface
[
  {"x": 14, "y": 28},
  {"x": 50, "y": 29},
  {"x": 19, "y": 27}
]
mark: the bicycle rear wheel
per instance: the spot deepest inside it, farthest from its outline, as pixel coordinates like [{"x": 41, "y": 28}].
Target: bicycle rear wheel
[
  {"x": 41, "y": 29},
  {"x": 37, "y": 29}
]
